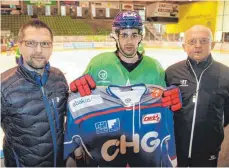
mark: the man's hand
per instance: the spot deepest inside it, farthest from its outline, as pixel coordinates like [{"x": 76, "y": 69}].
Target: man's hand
[
  {"x": 83, "y": 85},
  {"x": 77, "y": 158},
  {"x": 172, "y": 98}
]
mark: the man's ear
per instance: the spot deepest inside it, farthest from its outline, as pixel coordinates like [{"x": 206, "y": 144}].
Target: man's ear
[{"x": 212, "y": 45}]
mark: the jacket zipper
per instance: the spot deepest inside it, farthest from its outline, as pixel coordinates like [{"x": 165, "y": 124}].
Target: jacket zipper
[
  {"x": 195, "y": 107},
  {"x": 55, "y": 114},
  {"x": 52, "y": 127}
]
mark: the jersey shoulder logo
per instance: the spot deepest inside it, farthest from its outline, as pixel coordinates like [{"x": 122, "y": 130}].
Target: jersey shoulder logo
[
  {"x": 156, "y": 92},
  {"x": 84, "y": 102}
]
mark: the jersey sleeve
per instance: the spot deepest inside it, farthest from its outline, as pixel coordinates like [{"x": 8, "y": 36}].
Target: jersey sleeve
[
  {"x": 90, "y": 66},
  {"x": 87, "y": 71},
  {"x": 161, "y": 74},
  {"x": 171, "y": 143},
  {"x": 71, "y": 136}
]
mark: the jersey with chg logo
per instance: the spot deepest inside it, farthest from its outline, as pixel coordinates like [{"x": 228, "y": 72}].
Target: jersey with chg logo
[{"x": 118, "y": 125}]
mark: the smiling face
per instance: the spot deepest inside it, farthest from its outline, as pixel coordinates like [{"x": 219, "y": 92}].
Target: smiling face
[
  {"x": 36, "y": 47},
  {"x": 198, "y": 43}
]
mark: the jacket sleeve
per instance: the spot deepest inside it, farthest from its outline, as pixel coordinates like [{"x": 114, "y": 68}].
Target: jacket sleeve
[
  {"x": 168, "y": 76},
  {"x": 4, "y": 107},
  {"x": 226, "y": 112}
]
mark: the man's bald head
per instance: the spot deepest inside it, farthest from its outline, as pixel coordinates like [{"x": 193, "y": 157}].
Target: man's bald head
[
  {"x": 198, "y": 28},
  {"x": 198, "y": 42}
]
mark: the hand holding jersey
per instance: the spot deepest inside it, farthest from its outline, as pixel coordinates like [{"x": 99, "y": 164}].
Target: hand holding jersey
[{"x": 84, "y": 85}]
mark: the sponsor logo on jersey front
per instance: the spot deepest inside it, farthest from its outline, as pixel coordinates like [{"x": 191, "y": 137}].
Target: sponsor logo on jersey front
[
  {"x": 102, "y": 75},
  {"x": 151, "y": 118},
  {"x": 128, "y": 83},
  {"x": 107, "y": 126},
  {"x": 83, "y": 102},
  {"x": 148, "y": 143}
]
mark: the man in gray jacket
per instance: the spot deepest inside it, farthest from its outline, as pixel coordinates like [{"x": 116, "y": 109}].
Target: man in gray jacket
[
  {"x": 33, "y": 99},
  {"x": 204, "y": 86}
]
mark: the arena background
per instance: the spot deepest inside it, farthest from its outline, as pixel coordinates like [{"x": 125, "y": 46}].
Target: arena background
[{"x": 81, "y": 31}]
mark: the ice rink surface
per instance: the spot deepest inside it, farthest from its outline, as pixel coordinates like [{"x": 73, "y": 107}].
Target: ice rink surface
[{"x": 73, "y": 64}]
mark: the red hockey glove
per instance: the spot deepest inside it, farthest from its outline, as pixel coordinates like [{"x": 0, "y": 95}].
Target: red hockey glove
[
  {"x": 172, "y": 98},
  {"x": 83, "y": 85}
]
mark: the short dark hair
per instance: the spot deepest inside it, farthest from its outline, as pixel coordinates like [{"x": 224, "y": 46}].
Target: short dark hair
[{"x": 33, "y": 23}]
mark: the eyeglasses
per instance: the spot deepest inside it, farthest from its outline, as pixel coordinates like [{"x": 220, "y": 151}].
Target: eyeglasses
[
  {"x": 33, "y": 44},
  {"x": 201, "y": 40},
  {"x": 133, "y": 36}
]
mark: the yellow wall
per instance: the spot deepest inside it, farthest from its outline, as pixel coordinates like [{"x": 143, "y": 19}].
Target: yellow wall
[{"x": 203, "y": 13}]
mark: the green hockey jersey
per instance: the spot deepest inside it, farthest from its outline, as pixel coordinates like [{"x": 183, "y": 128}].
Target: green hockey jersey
[{"x": 107, "y": 69}]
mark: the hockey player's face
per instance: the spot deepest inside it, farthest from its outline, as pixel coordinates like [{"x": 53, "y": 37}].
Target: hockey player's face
[
  {"x": 198, "y": 43},
  {"x": 36, "y": 47},
  {"x": 129, "y": 40}
]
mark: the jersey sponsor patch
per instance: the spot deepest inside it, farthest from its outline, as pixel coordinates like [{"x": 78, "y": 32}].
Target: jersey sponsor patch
[
  {"x": 83, "y": 102},
  {"x": 113, "y": 125},
  {"x": 156, "y": 92},
  {"x": 107, "y": 126},
  {"x": 151, "y": 118}
]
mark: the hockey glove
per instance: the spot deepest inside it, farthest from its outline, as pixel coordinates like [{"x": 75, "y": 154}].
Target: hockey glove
[
  {"x": 172, "y": 98},
  {"x": 83, "y": 85}
]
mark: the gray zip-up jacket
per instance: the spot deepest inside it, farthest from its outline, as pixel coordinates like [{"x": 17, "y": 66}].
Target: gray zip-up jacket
[{"x": 205, "y": 95}]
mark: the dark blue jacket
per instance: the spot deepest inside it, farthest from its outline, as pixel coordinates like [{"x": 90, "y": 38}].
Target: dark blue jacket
[{"x": 32, "y": 116}]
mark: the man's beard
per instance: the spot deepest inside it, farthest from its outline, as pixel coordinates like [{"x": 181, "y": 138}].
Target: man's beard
[
  {"x": 129, "y": 55},
  {"x": 36, "y": 64}
]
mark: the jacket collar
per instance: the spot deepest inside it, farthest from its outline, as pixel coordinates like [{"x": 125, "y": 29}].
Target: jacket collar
[
  {"x": 33, "y": 76},
  {"x": 202, "y": 65}
]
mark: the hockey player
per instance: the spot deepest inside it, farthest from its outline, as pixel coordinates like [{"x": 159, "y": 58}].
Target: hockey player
[{"x": 125, "y": 66}]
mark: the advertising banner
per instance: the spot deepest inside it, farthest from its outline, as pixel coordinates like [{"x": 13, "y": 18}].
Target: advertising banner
[
  {"x": 10, "y": 2},
  {"x": 40, "y": 2},
  {"x": 159, "y": 9},
  {"x": 111, "y": 5},
  {"x": 127, "y": 6}
]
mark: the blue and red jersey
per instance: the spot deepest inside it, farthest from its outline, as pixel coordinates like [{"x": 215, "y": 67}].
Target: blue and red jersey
[{"x": 117, "y": 126}]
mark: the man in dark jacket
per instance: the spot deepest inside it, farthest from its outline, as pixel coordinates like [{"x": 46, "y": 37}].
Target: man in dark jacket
[
  {"x": 204, "y": 85},
  {"x": 33, "y": 99}
]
